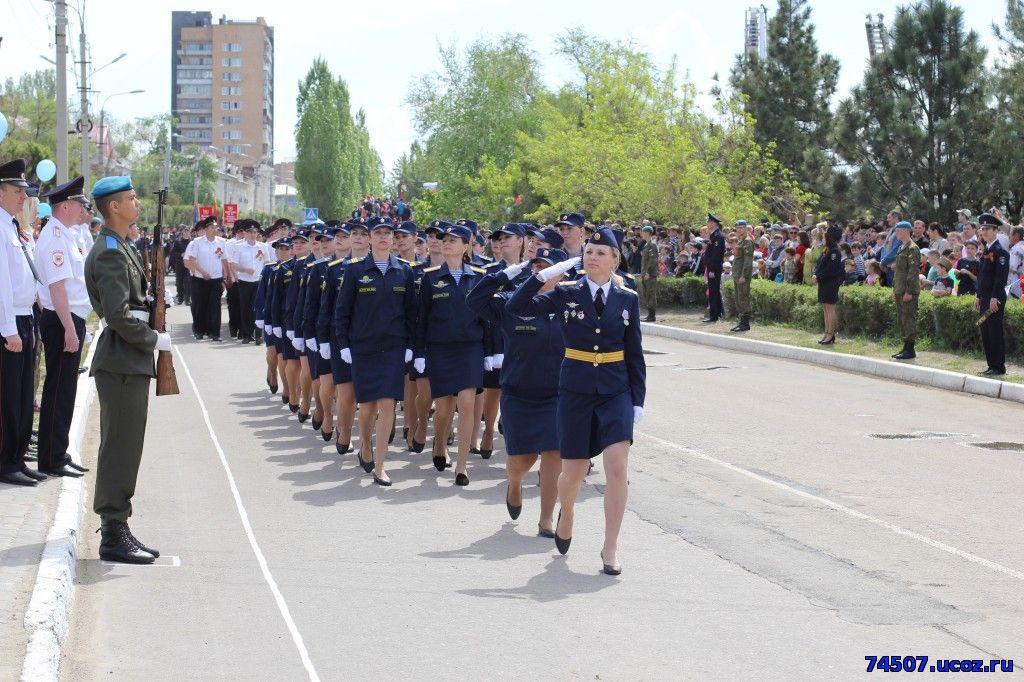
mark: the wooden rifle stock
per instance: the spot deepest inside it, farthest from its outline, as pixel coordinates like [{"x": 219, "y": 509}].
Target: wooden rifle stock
[{"x": 166, "y": 380}]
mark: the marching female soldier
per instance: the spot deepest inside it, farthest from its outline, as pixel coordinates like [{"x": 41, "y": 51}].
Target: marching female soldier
[
  {"x": 351, "y": 242},
  {"x": 529, "y": 385},
  {"x": 374, "y": 315},
  {"x": 417, "y": 437},
  {"x": 287, "y": 358},
  {"x": 449, "y": 343},
  {"x": 316, "y": 278},
  {"x": 261, "y": 301},
  {"x": 602, "y": 381}
]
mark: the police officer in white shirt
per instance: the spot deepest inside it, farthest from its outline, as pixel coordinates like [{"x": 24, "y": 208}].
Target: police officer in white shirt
[
  {"x": 208, "y": 263},
  {"x": 17, "y": 357},
  {"x": 60, "y": 262},
  {"x": 247, "y": 259},
  {"x": 231, "y": 279}
]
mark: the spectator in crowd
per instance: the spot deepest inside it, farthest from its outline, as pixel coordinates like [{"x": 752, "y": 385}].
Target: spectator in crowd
[
  {"x": 776, "y": 254},
  {"x": 850, "y": 272},
  {"x": 812, "y": 255},
  {"x": 789, "y": 266},
  {"x": 802, "y": 246},
  {"x": 943, "y": 285},
  {"x": 931, "y": 267},
  {"x": 1016, "y": 250},
  {"x": 918, "y": 234},
  {"x": 875, "y": 276},
  {"x": 937, "y": 238},
  {"x": 967, "y": 270},
  {"x": 857, "y": 251}
]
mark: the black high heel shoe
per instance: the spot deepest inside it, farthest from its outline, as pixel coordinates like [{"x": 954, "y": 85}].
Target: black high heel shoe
[
  {"x": 272, "y": 387},
  {"x": 461, "y": 479},
  {"x": 342, "y": 448},
  {"x": 327, "y": 436},
  {"x": 513, "y": 511},
  {"x": 561, "y": 543},
  {"x": 486, "y": 454},
  {"x": 610, "y": 569},
  {"x": 367, "y": 466},
  {"x": 418, "y": 447},
  {"x": 293, "y": 408},
  {"x": 284, "y": 400},
  {"x": 317, "y": 423},
  {"x": 829, "y": 341},
  {"x": 303, "y": 418},
  {"x": 544, "y": 532},
  {"x": 385, "y": 482}
]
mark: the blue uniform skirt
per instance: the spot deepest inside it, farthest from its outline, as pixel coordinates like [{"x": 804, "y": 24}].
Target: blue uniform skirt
[
  {"x": 413, "y": 374},
  {"x": 455, "y": 366},
  {"x": 269, "y": 339},
  {"x": 492, "y": 379},
  {"x": 285, "y": 348},
  {"x": 529, "y": 424},
  {"x": 379, "y": 375},
  {"x": 317, "y": 365},
  {"x": 587, "y": 424},
  {"x": 341, "y": 370}
]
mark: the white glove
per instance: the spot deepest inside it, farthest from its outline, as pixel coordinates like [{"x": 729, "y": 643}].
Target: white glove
[
  {"x": 297, "y": 344},
  {"x": 311, "y": 344},
  {"x": 290, "y": 334},
  {"x": 277, "y": 332},
  {"x": 408, "y": 354},
  {"x": 346, "y": 355},
  {"x": 497, "y": 361},
  {"x": 488, "y": 363},
  {"x": 420, "y": 365},
  {"x": 163, "y": 341},
  {"x": 149, "y": 298},
  {"x": 638, "y": 414},
  {"x": 168, "y": 299},
  {"x": 259, "y": 324},
  {"x": 513, "y": 271},
  {"x": 558, "y": 269}
]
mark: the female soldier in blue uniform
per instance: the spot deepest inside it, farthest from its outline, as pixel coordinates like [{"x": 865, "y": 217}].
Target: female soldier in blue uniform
[
  {"x": 283, "y": 251},
  {"x": 529, "y": 385},
  {"x": 374, "y": 317},
  {"x": 303, "y": 268},
  {"x": 276, "y": 316},
  {"x": 450, "y": 345},
  {"x": 351, "y": 243},
  {"x": 319, "y": 367},
  {"x": 601, "y": 383},
  {"x": 829, "y": 273}
]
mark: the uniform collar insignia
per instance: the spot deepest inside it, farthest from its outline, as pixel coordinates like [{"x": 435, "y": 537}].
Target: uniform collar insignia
[
  {"x": 572, "y": 304},
  {"x": 440, "y": 284},
  {"x": 365, "y": 280}
]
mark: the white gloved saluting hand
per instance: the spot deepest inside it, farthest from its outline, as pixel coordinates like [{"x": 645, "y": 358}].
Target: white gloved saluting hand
[
  {"x": 558, "y": 269},
  {"x": 513, "y": 271}
]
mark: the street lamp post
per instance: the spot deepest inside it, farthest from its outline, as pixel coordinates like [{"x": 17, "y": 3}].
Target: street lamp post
[{"x": 103, "y": 129}]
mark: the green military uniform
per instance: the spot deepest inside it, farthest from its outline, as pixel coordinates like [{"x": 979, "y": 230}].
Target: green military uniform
[
  {"x": 906, "y": 280},
  {"x": 649, "y": 285},
  {"x": 743, "y": 266},
  {"x": 122, "y": 367}
]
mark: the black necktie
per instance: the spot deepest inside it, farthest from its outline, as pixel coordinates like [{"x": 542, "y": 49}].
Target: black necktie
[
  {"x": 28, "y": 259},
  {"x": 599, "y": 302}
]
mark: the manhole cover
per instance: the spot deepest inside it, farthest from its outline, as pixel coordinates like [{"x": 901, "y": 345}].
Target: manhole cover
[
  {"x": 916, "y": 435},
  {"x": 1003, "y": 445}
]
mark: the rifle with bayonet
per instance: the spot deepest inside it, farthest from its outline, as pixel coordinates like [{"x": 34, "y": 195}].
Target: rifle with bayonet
[{"x": 166, "y": 381}]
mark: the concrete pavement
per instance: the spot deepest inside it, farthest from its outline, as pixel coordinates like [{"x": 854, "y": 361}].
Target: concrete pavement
[{"x": 768, "y": 536}]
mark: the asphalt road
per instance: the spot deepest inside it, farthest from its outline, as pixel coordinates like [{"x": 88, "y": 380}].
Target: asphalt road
[{"x": 768, "y": 536}]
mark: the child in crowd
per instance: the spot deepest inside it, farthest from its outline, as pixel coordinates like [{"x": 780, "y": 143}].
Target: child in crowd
[
  {"x": 857, "y": 250},
  {"x": 851, "y": 272},
  {"x": 874, "y": 276},
  {"x": 967, "y": 270},
  {"x": 789, "y": 268},
  {"x": 943, "y": 283}
]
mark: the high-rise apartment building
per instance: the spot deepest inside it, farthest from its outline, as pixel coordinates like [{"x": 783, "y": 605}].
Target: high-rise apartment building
[
  {"x": 222, "y": 93},
  {"x": 755, "y": 32}
]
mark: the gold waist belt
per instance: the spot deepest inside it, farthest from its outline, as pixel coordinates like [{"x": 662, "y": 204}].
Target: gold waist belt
[{"x": 596, "y": 358}]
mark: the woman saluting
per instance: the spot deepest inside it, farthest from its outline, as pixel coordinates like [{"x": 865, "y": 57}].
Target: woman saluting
[
  {"x": 450, "y": 345},
  {"x": 601, "y": 383},
  {"x": 374, "y": 319}
]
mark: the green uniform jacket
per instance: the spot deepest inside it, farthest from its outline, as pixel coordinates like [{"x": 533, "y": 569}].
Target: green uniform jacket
[
  {"x": 907, "y": 277},
  {"x": 116, "y": 282},
  {"x": 649, "y": 259},
  {"x": 744, "y": 262}
]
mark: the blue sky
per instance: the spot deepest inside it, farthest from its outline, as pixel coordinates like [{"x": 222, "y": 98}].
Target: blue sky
[{"x": 379, "y": 48}]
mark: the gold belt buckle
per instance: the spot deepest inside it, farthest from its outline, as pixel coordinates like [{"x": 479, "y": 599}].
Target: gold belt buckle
[{"x": 598, "y": 357}]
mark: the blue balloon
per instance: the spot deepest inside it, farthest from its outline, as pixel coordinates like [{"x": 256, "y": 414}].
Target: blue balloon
[
  {"x": 44, "y": 211},
  {"x": 3, "y": 127},
  {"x": 45, "y": 170}
]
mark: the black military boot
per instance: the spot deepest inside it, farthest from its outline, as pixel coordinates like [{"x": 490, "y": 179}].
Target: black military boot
[
  {"x": 141, "y": 546},
  {"x": 118, "y": 545},
  {"x": 650, "y": 316},
  {"x": 743, "y": 326},
  {"x": 907, "y": 353}
]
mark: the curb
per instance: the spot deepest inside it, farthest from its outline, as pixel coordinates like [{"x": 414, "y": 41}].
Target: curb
[
  {"x": 913, "y": 374},
  {"x": 49, "y": 609}
]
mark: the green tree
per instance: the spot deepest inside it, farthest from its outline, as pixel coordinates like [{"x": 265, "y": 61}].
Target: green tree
[
  {"x": 788, "y": 95},
  {"x": 914, "y": 130},
  {"x": 1008, "y": 135}
]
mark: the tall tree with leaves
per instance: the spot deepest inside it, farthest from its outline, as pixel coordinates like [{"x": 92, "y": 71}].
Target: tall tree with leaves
[
  {"x": 915, "y": 129},
  {"x": 1008, "y": 90},
  {"x": 788, "y": 95}
]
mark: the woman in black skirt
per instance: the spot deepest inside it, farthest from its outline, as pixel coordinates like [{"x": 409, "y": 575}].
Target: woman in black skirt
[
  {"x": 828, "y": 273},
  {"x": 374, "y": 319},
  {"x": 450, "y": 345},
  {"x": 602, "y": 379}
]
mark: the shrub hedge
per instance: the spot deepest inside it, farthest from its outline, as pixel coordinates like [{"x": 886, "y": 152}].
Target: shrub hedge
[{"x": 943, "y": 323}]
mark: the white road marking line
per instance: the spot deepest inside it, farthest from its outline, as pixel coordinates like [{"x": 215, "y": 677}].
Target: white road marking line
[
  {"x": 307, "y": 663},
  {"x": 842, "y": 508},
  {"x": 162, "y": 562}
]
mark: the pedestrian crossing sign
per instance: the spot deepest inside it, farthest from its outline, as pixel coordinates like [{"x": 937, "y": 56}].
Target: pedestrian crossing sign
[{"x": 312, "y": 215}]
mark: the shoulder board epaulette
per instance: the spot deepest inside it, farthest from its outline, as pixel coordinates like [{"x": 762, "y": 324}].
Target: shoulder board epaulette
[
  {"x": 111, "y": 242},
  {"x": 309, "y": 265},
  {"x": 581, "y": 272},
  {"x": 436, "y": 267},
  {"x": 629, "y": 275},
  {"x": 565, "y": 284},
  {"x": 335, "y": 262},
  {"x": 474, "y": 268},
  {"x": 356, "y": 260},
  {"x": 492, "y": 264},
  {"x": 273, "y": 262},
  {"x": 407, "y": 262}
]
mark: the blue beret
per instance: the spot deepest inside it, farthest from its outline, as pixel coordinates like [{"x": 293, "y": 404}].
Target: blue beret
[
  {"x": 904, "y": 225},
  {"x": 741, "y": 223},
  {"x": 460, "y": 231},
  {"x": 550, "y": 256},
  {"x": 112, "y": 184},
  {"x": 647, "y": 228}
]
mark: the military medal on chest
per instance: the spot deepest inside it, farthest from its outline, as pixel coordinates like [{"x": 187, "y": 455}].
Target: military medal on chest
[
  {"x": 625, "y": 317},
  {"x": 573, "y": 312}
]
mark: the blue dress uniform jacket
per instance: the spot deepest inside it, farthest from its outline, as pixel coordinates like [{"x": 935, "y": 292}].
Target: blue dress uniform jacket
[
  {"x": 617, "y": 330},
  {"x": 992, "y": 275},
  {"x": 259, "y": 300},
  {"x": 297, "y": 294},
  {"x": 533, "y": 345},
  {"x": 316, "y": 283},
  {"x": 328, "y": 297},
  {"x": 279, "y": 293},
  {"x": 443, "y": 316},
  {"x": 830, "y": 266},
  {"x": 376, "y": 311}
]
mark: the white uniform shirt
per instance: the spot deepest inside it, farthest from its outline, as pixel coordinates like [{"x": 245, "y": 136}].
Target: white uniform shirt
[
  {"x": 209, "y": 254},
  {"x": 17, "y": 285},
  {"x": 61, "y": 258},
  {"x": 252, "y": 257},
  {"x": 1016, "y": 262}
]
